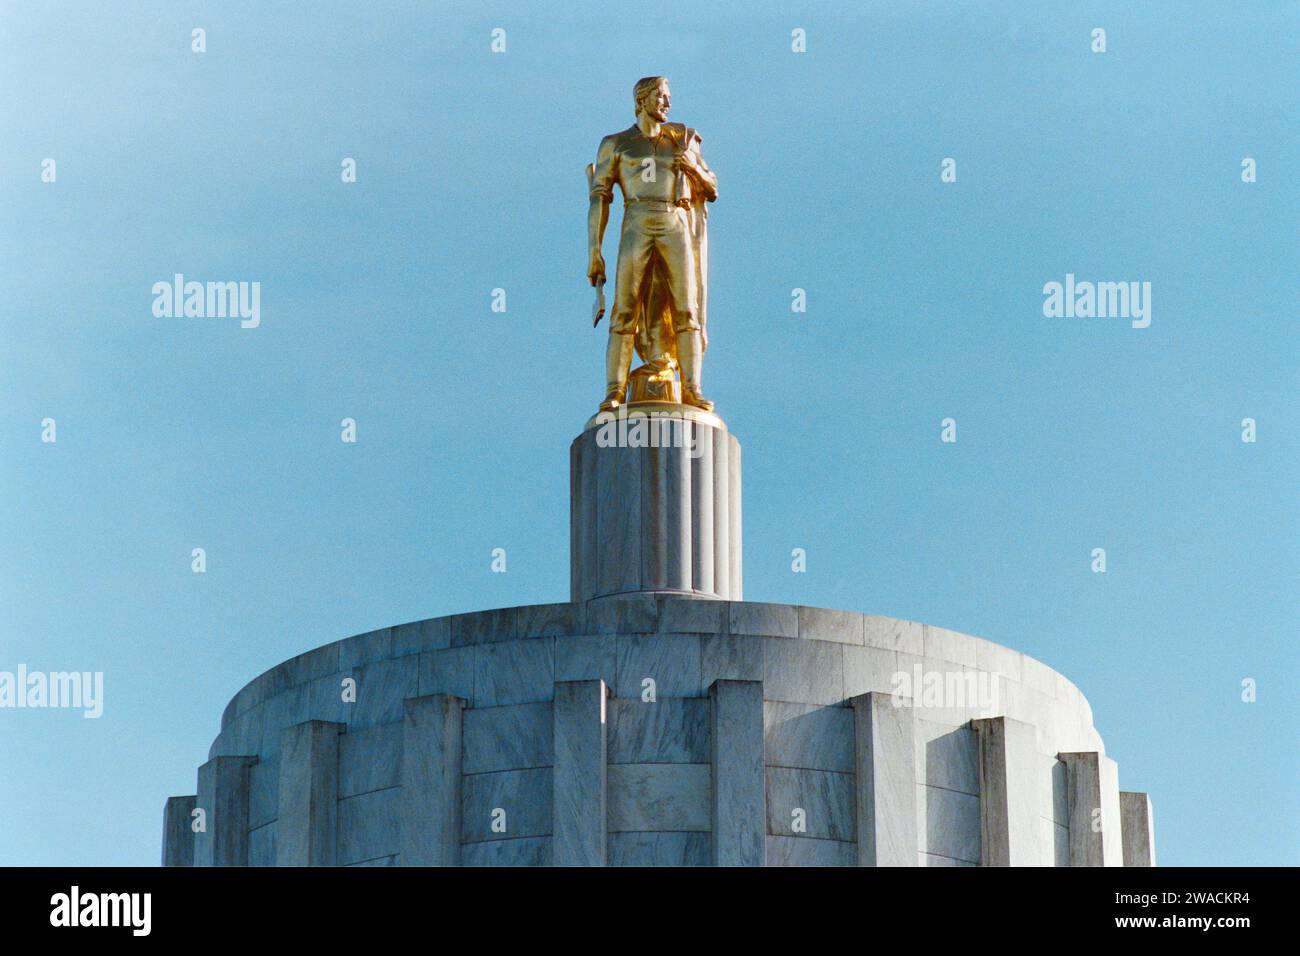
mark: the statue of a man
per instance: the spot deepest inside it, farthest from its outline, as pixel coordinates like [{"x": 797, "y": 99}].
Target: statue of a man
[{"x": 660, "y": 288}]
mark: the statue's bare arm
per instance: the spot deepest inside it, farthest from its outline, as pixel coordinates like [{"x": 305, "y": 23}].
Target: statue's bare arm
[{"x": 602, "y": 193}]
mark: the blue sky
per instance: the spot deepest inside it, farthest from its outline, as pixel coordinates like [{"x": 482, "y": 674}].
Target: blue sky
[{"x": 924, "y": 302}]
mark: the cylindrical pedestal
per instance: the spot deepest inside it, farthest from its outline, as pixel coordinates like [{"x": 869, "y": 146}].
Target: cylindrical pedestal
[{"x": 655, "y": 505}]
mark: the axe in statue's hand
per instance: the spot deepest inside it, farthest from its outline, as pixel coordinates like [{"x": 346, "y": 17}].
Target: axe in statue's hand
[{"x": 598, "y": 308}]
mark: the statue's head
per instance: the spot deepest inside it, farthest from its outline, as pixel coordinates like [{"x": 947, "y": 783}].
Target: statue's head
[{"x": 652, "y": 97}]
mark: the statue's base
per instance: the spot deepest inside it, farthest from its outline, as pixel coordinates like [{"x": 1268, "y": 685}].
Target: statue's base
[{"x": 647, "y": 384}]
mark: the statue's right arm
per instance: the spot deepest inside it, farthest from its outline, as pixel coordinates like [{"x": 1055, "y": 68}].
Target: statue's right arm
[{"x": 602, "y": 193}]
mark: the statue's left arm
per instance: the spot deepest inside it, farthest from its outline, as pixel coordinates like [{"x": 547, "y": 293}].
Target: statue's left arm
[{"x": 702, "y": 179}]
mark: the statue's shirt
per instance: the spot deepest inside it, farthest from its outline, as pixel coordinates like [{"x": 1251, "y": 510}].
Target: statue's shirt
[{"x": 643, "y": 167}]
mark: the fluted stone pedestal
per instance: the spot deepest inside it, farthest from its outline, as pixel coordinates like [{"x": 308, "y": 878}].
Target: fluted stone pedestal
[{"x": 655, "y": 505}]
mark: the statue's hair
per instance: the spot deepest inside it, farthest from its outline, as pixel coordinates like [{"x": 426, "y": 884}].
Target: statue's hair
[{"x": 644, "y": 87}]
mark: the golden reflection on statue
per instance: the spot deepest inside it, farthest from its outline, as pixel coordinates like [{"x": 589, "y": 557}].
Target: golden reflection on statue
[{"x": 661, "y": 278}]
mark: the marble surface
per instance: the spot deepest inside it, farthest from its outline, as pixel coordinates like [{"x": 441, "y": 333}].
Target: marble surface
[
  {"x": 261, "y": 845},
  {"x": 655, "y": 518},
  {"x": 869, "y": 669},
  {"x": 947, "y": 756},
  {"x": 766, "y": 620},
  {"x": 1093, "y": 795},
  {"x": 930, "y": 859},
  {"x": 1112, "y": 820},
  {"x": 177, "y": 841},
  {"x": 449, "y": 671},
  {"x": 419, "y": 636},
  {"x": 821, "y": 624},
  {"x": 366, "y": 648},
  {"x": 586, "y": 657},
  {"x": 755, "y": 713},
  {"x": 652, "y": 797},
  {"x": 526, "y": 851},
  {"x": 624, "y": 614},
  {"x": 660, "y": 849},
  {"x": 825, "y": 799},
  {"x": 516, "y": 672},
  {"x": 263, "y": 791},
  {"x": 510, "y": 737},
  {"x": 307, "y": 819},
  {"x": 693, "y": 617},
  {"x": 1010, "y": 828},
  {"x": 724, "y": 554},
  {"x": 671, "y": 661},
  {"x": 484, "y": 627},
  {"x": 432, "y": 781},
  {"x": 617, "y": 535},
  {"x": 382, "y": 686},
  {"x": 369, "y": 759},
  {"x": 1137, "y": 824},
  {"x": 671, "y": 730},
  {"x": 369, "y": 826},
  {"x": 579, "y": 778},
  {"x": 223, "y": 795},
  {"x": 730, "y": 657},
  {"x": 889, "y": 821},
  {"x": 702, "y": 523},
  {"x": 802, "y": 851},
  {"x": 949, "y": 822},
  {"x": 739, "y": 786},
  {"x": 891, "y": 634},
  {"x": 804, "y": 672},
  {"x": 809, "y": 736},
  {"x": 525, "y": 796}
]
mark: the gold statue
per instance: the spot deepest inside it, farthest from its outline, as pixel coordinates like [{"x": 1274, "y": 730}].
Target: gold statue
[{"x": 661, "y": 279}]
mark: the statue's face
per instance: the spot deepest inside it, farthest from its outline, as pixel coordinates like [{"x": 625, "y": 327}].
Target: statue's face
[{"x": 657, "y": 103}]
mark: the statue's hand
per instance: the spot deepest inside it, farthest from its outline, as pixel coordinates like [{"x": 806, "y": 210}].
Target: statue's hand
[
  {"x": 685, "y": 163},
  {"x": 596, "y": 268}
]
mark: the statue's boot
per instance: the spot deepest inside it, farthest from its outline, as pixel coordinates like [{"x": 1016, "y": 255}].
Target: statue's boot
[
  {"x": 690, "y": 355},
  {"x": 618, "y": 360}
]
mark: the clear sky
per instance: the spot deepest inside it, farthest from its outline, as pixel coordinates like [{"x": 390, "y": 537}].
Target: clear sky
[{"x": 924, "y": 302}]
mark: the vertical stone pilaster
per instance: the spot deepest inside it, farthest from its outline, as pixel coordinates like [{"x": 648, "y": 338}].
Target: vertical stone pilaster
[
  {"x": 306, "y": 829},
  {"x": 722, "y": 513},
  {"x": 657, "y": 536},
  {"x": 1137, "y": 829},
  {"x": 886, "y": 781},
  {"x": 578, "y": 529},
  {"x": 578, "y": 834},
  {"x": 223, "y": 797},
  {"x": 736, "y": 591},
  {"x": 678, "y": 514},
  {"x": 702, "y": 496},
  {"x": 1092, "y": 789},
  {"x": 619, "y": 541},
  {"x": 431, "y": 781},
  {"x": 739, "y": 785},
  {"x": 1009, "y": 815},
  {"x": 178, "y": 837}
]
